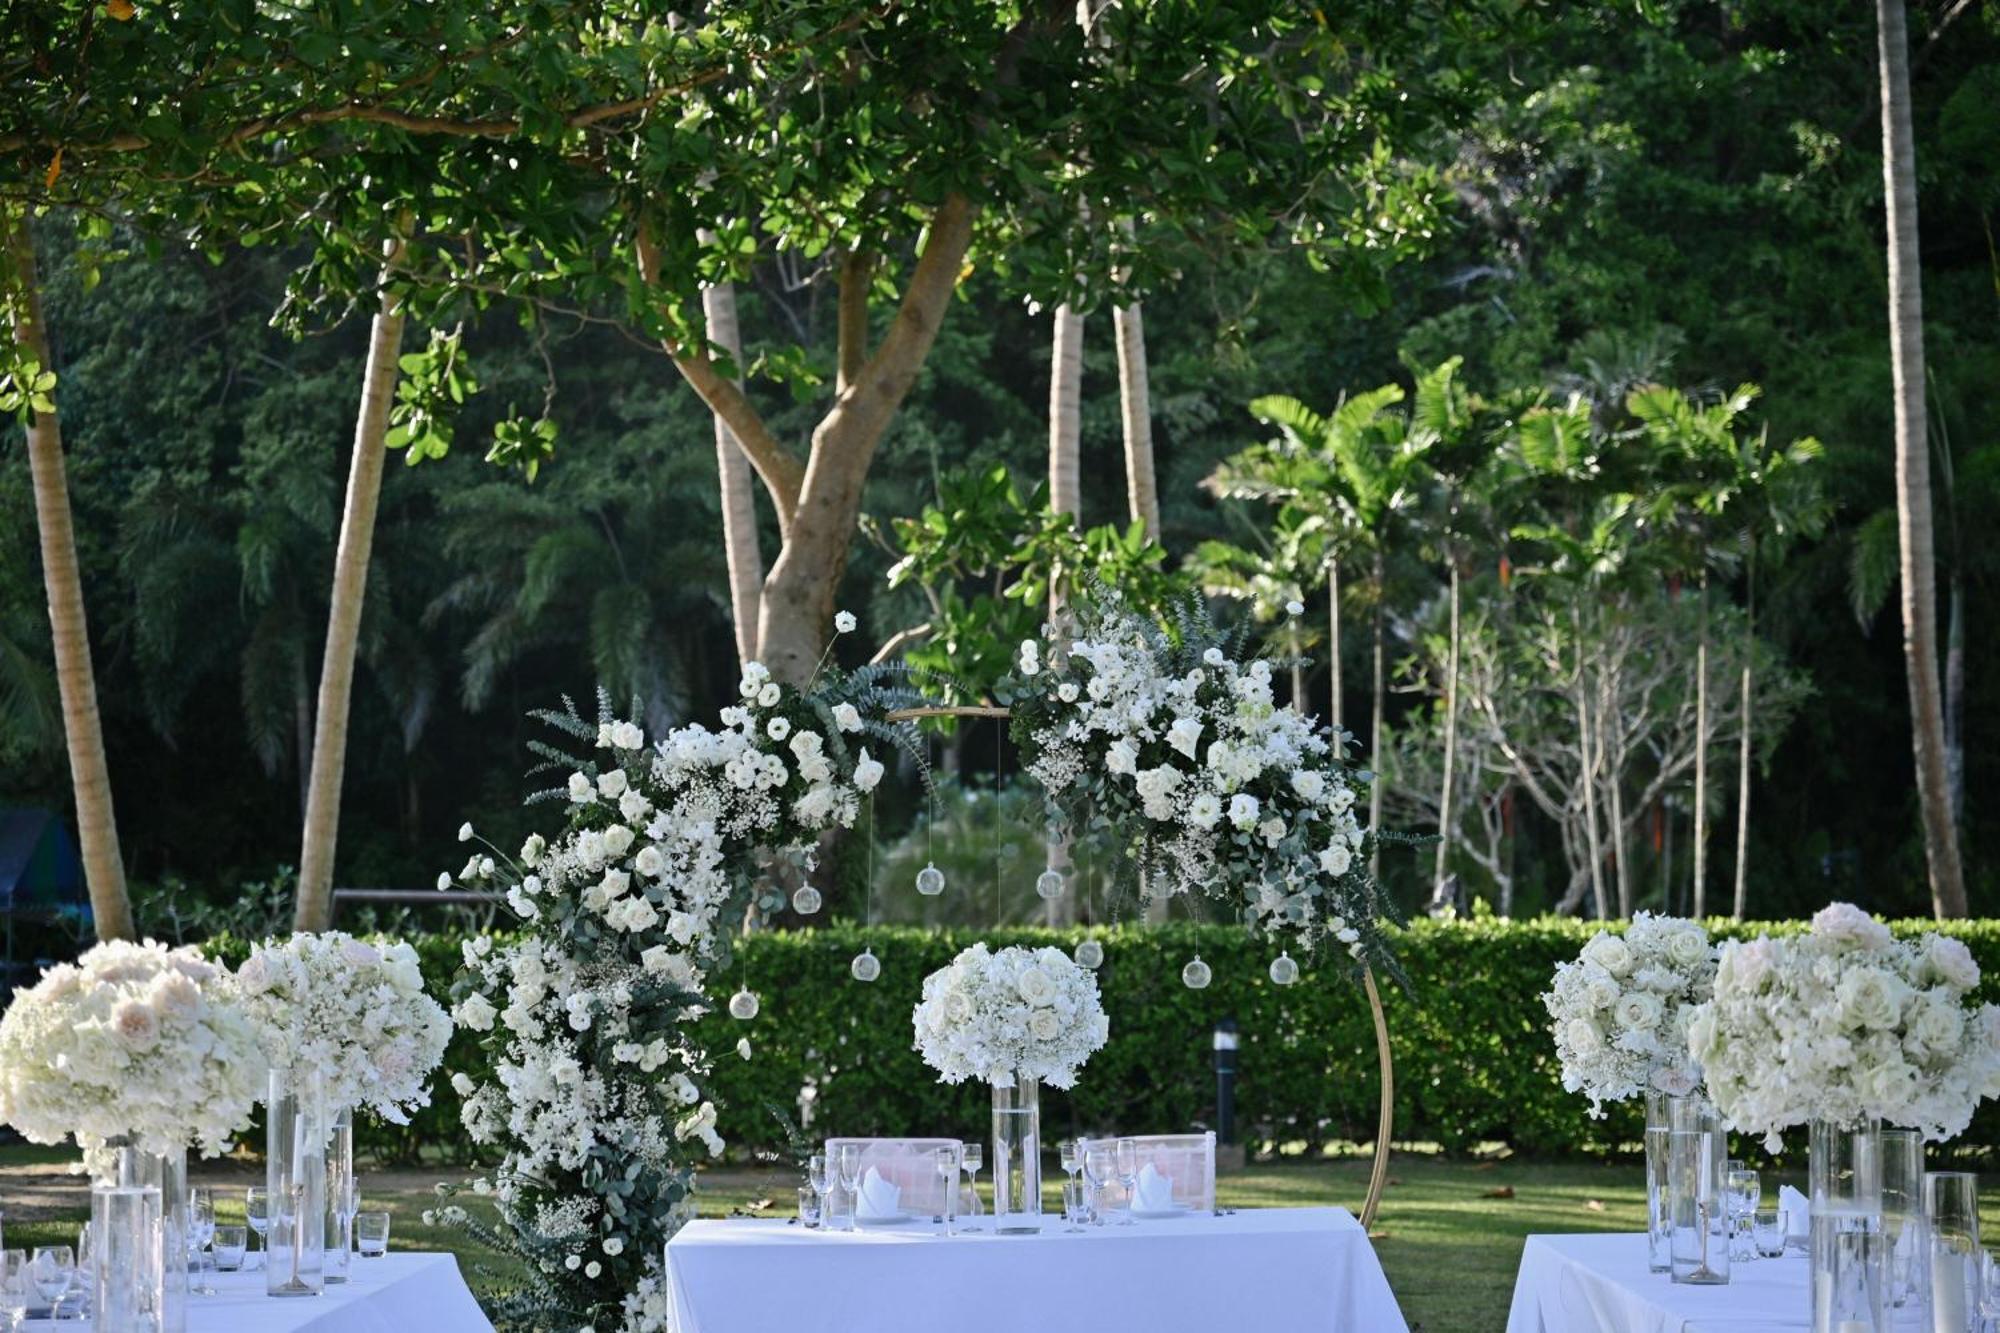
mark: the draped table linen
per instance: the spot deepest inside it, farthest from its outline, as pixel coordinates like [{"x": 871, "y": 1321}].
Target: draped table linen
[
  {"x": 396, "y": 1293},
  {"x": 1587, "y": 1283},
  {"x": 1303, "y": 1270}
]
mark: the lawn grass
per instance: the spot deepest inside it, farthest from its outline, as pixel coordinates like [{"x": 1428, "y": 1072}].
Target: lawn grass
[{"x": 1449, "y": 1234}]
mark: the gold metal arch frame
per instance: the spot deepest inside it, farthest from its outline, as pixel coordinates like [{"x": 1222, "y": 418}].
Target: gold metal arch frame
[{"x": 1378, "y": 1175}]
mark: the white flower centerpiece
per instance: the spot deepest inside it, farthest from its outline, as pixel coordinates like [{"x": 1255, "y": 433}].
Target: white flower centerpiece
[
  {"x": 1014, "y": 1019},
  {"x": 596, "y": 1097},
  {"x": 1846, "y": 1024},
  {"x": 135, "y": 1045},
  {"x": 1213, "y": 787},
  {"x": 353, "y": 1009},
  {"x": 1619, "y": 1012}
]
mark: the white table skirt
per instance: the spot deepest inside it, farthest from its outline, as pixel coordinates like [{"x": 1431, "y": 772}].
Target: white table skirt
[
  {"x": 1588, "y": 1283},
  {"x": 1303, "y": 1270},
  {"x": 397, "y": 1293}
]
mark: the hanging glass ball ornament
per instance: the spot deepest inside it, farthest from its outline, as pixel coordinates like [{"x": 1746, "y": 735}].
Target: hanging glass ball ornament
[
  {"x": 806, "y": 900},
  {"x": 1195, "y": 976},
  {"x": 1049, "y": 884},
  {"x": 1283, "y": 970},
  {"x": 866, "y": 966},
  {"x": 1089, "y": 953},
  {"x": 930, "y": 881},
  {"x": 743, "y": 1005}
]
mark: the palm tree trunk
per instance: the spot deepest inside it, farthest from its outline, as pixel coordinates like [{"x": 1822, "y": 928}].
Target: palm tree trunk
[
  {"x": 1743, "y": 748},
  {"x": 1450, "y": 740},
  {"x": 1913, "y": 480},
  {"x": 1700, "y": 907},
  {"x": 1375, "y": 723},
  {"x": 314, "y": 908},
  {"x": 76, "y": 681},
  {"x": 739, "y": 505},
  {"x": 1135, "y": 403},
  {"x": 1954, "y": 699},
  {"x": 302, "y": 728},
  {"x": 1066, "y": 497},
  {"x": 1333, "y": 642}
]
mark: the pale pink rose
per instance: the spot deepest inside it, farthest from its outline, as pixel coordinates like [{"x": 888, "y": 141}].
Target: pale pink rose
[{"x": 137, "y": 1024}]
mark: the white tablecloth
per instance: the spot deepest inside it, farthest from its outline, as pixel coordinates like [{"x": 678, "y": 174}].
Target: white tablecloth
[
  {"x": 397, "y": 1293},
  {"x": 1592, "y": 1283},
  {"x": 1301, "y": 1270}
]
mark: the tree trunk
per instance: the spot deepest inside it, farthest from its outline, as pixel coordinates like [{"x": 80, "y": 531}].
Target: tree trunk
[
  {"x": 314, "y": 910},
  {"x": 1587, "y": 757},
  {"x": 90, "y": 776},
  {"x": 1065, "y": 497},
  {"x": 1743, "y": 749},
  {"x": 1700, "y": 906},
  {"x": 739, "y": 505},
  {"x": 1614, "y": 773},
  {"x": 302, "y": 728},
  {"x": 1135, "y": 402},
  {"x": 1450, "y": 742},
  {"x": 798, "y": 592},
  {"x": 1375, "y": 724},
  {"x": 1954, "y": 700},
  {"x": 1333, "y": 641},
  {"x": 1913, "y": 481}
]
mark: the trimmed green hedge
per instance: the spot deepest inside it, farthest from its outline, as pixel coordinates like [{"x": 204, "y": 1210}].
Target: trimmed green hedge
[{"x": 1473, "y": 1062}]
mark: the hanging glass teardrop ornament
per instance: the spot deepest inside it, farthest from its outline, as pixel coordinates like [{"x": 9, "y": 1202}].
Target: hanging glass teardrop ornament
[
  {"x": 1283, "y": 970},
  {"x": 866, "y": 966},
  {"x": 743, "y": 1005},
  {"x": 1195, "y": 976},
  {"x": 806, "y": 900},
  {"x": 930, "y": 881},
  {"x": 1089, "y": 953},
  {"x": 1049, "y": 884}
]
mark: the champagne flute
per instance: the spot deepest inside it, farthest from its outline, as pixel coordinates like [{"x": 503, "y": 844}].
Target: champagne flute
[
  {"x": 816, "y": 1177},
  {"x": 975, "y": 1157},
  {"x": 201, "y": 1230},
  {"x": 1126, "y": 1154},
  {"x": 848, "y": 1164},
  {"x": 257, "y": 1213},
  {"x": 946, "y": 1162},
  {"x": 1100, "y": 1168}
]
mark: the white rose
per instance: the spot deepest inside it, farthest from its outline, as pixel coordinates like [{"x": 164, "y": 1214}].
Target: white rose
[
  {"x": 634, "y": 807},
  {"x": 650, "y": 862},
  {"x": 1952, "y": 961},
  {"x": 1847, "y": 924},
  {"x": 1335, "y": 860},
  {"x": 1610, "y": 953},
  {"x": 1868, "y": 997},
  {"x": 580, "y": 789},
  {"x": 532, "y": 849},
  {"x": 1309, "y": 783},
  {"x": 867, "y": 771},
  {"x": 1637, "y": 1010},
  {"x": 476, "y": 1012},
  {"x": 1185, "y": 735},
  {"x": 617, "y": 840},
  {"x": 1036, "y": 986},
  {"x": 612, "y": 785},
  {"x": 1122, "y": 758},
  {"x": 1043, "y": 1025},
  {"x": 1602, "y": 992},
  {"x": 1687, "y": 948},
  {"x": 1583, "y": 1037},
  {"x": 847, "y": 717},
  {"x": 627, "y": 736},
  {"x": 1937, "y": 1024}
]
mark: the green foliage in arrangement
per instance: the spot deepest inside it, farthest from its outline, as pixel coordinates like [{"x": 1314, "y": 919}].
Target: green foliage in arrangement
[{"x": 1474, "y": 1064}]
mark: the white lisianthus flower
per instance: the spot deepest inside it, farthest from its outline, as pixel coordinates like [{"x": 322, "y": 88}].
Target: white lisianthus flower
[
  {"x": 1243, "y": 810},
  {"x": 465, "y": 832},
  {"x": 1185, "y": 735},
  {"x": 1122, "y": 758},
  {"x": 1295, "y": 608},
  {"x": 1068, "y": 692},
  {"x": 844, "y": 622},
  {"x": 867, "y": 772},
  {"x": 1204, "y": 811},
  {"x": 444, "y": 880},
  {"x": 768, "y": 696},
  {"x": 532, "y": 849},
  {"x": 777, "y": 728},
  {"x": 1213, "y": 657},
  {"x": 1029, "y": 660}
]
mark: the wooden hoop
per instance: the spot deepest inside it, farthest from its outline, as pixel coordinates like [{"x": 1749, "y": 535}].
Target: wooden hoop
[{"x": 1378, "y": 1175}]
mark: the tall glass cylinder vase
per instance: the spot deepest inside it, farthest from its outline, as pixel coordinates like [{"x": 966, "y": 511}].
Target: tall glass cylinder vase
[
  {"x": 297, "y": 1127},
  {"x": 127, "y": 1293},
  {"x": 341, "y": 1196},
  {"x": 1017, "y": 1157},
  {"x": 1697, "y": 1150},
  {"x": 166, "y": 1173},
  {"x": 1849, "y": 1273},
  {"x": 1904, "y": 1251},
  {"x": 1658, "y": 1222},
  {"x": 1951, "y": 1212}
]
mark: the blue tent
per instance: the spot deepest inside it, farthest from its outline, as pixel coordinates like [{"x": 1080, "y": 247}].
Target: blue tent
[{"x": 40, "y": 872}]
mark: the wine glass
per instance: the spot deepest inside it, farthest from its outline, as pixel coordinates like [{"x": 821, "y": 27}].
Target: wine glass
[
  {"x": 257, "y": 1213},
  {"x": 201, "y": 1230},
  {"x": 1070, "y": 1153},
  {"x": 847, "y": 1163},
  {"x": 816, "y": 1177},
  {"x": 974, "y": 1158},
  {"x": 52, "y": 1270},
  {"x": 946, "y": 1162},
  {"x": 1100, "y": 1168},
  {"x": 1127, "y": 1162}
]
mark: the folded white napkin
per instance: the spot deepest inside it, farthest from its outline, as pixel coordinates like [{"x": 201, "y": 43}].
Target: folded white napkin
[
  {"x": 1798, "y": 1212},
  {"x": 879, "y": 1198},
  {"x": 1154, "y": 1193}
]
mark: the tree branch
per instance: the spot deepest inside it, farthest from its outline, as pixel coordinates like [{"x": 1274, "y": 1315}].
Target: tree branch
[
  {"x": 899, "y": 641},
  {"x": 857, "y": 274}
]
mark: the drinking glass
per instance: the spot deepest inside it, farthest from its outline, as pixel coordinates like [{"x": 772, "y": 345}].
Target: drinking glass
[
  {"x": 257, "y": 1213},
  {"x": 85, "y": 1273},
  {"x": 1951, "y": 1214},
  {"x": 1767, "y": 1230},
  {"x": 1100, "y": 1168},
  {"x": 1989, "y": 1292},
  {"x": 1126, "y": 1156},
  {"x": 229, "y": 1244},
  {"x": 201, "y": 1230},
  {"x": 53, "y": 1270},
  {"x": 809, "y": 1207},
  {"x": 17, "y": 1289},
  {"x": 820, "y": 1181},
  {"x": 371, "y": 1234},
  {"x": 1075, "y": 1206},
  {"x": 974, "y": 1159},
  {"x": 1746, "y": 1191},
  {"x": 945, "y": 1162},
  {"x": 847, "y": 1167}
]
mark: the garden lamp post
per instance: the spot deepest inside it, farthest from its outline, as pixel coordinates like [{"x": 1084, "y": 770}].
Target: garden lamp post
[{"x": 1225, "y": 1081}]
